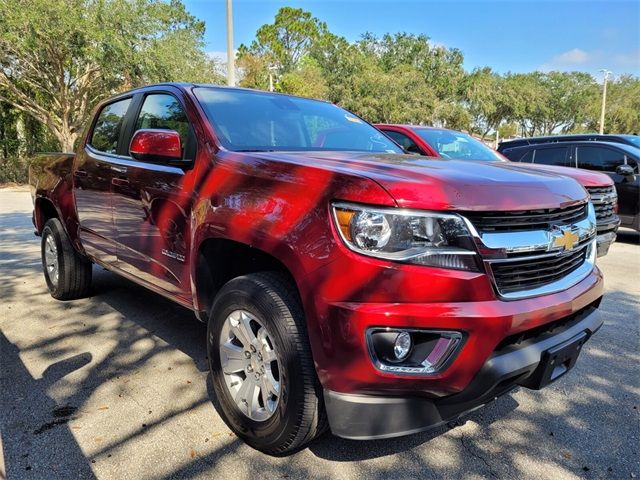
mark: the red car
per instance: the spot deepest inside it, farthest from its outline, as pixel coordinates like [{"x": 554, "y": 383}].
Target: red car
[
  {"x": 345, "y": 284},
  {"x": 452, "y": 144}
]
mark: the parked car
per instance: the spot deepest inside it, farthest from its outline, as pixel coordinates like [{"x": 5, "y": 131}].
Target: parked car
[
  {"x": 451, "y": 144},
  {"x": 633, "y": 140},
  {"x": 617, "y": 160},
  {"x": 344, "y": 283}
]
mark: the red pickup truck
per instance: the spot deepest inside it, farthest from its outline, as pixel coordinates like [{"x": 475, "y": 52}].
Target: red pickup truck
[{"x": 344, "y": 283}]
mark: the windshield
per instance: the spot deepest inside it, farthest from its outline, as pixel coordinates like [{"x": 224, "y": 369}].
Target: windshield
[
  {"x": 246, "y": 120},
  {"x": 635, "y": 139},
  {"x": 457, "y": 145}
]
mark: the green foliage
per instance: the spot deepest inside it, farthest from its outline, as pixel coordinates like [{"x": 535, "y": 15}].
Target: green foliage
[
  {"x": 59, "y": 57},
  {"x": 20, "y": 137},
  {"x": 305, "y": 81},
  {"x": 623, "y": 107},
  {"x": 288, "y": 39}
]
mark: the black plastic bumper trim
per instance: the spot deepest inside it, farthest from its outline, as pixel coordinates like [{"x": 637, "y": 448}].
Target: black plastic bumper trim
[{"x": 368, "y": 417}]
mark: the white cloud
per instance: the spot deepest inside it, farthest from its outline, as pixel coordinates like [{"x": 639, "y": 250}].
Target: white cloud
[
  {"x": 569, "y": 60},
  {"x": 593, "y": 60},
  {"x": 574, "y": 56}
]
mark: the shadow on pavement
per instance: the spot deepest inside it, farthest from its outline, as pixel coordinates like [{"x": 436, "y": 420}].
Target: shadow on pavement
[{"x": 580, "y": 426}]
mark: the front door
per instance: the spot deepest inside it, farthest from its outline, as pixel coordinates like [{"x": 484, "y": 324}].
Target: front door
[
  {"x": 92, "y": 176},
  {"x": 152, "y": 203}
]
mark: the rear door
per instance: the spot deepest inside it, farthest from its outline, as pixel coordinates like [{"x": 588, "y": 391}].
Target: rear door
[
  {"x": 92, "y": 182},
  {"x": 152, "y": 201}
]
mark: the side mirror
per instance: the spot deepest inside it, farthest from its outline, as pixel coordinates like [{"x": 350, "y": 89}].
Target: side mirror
[
  {"x": 624, "y": 170},
  {"x": 150, "y": 145}
]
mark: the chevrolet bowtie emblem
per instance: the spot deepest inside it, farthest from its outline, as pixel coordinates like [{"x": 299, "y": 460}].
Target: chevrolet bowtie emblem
[{"x": 565, "y": 239}]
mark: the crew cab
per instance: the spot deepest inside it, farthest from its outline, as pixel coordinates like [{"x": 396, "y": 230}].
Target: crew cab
[
  {"x": 344, "y": 284},
  {"x": 452, "y": 144}
]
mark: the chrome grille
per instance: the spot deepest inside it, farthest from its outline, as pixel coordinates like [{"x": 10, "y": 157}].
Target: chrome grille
[
  {"x": 604, "y": 201},
  {"x": 527, "y": 273},
  {"x": 524, "y": 220}
]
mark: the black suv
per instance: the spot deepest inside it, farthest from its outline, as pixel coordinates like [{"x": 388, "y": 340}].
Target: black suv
[{"x": 618, "y": 160}]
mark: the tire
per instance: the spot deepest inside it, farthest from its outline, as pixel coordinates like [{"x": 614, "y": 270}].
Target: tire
[
  {"x": 73, "y": 279},
  {"x": 298, "y": 415}
]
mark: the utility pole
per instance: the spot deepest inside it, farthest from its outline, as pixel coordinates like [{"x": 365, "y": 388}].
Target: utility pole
[
  {"x": 231, "y": 60},
  {"x": 604, "y": 98}
]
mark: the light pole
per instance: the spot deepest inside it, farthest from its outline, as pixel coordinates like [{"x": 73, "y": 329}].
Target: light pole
[
  {"x": 604, "y": 98},
  {"x": 231, "y": 60}
]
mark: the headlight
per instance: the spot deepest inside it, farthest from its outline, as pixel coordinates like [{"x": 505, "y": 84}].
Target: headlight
[{"x": 408, "y": 236}]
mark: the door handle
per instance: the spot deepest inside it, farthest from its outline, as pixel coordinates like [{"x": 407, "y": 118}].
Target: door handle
[
  {"x": 118, "y": 169},
  {"x": 120, "y": 182},
  {"x": 80, "y": 173}
]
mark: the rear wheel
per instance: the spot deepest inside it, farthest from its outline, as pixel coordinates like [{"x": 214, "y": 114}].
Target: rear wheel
[
  {"x": 67, "y": 273},
  {"x": 261, "y": 364}
]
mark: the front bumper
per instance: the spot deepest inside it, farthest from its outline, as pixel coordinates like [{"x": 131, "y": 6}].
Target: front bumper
[
  {"x": 531, "y": 359},
  {"x": 604, "y": 241},
  {"x": 607, "y": 229}
]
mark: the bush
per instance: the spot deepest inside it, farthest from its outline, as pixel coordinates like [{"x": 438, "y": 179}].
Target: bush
[{"x": 14, "y": 170}]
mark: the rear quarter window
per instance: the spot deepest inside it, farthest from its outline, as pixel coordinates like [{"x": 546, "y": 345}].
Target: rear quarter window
[{"x": 106, "y": 131}]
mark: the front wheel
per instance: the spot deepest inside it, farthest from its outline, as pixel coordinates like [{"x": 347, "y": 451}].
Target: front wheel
[
  {"x": 67, "y": 273},
  {"x": 261, "y": 364}
]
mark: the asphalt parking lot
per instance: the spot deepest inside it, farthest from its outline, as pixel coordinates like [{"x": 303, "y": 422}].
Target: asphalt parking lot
[{"x": 115, "y": 386}]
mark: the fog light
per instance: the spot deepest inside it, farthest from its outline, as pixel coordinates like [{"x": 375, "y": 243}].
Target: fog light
[
  {"x": 413, "y": 351},
  {"x": 402, "y": 345}
]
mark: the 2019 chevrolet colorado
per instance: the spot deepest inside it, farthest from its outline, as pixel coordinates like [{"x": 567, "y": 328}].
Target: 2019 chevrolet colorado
[{"x": 344, "y": 283}]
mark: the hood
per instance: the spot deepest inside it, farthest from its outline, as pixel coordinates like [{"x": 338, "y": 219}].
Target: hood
[
  {"x": 440, "y": 184},
  {"x": 586, "y": 178}
]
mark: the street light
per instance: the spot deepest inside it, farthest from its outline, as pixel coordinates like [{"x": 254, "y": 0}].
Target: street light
[
  {"x": 231, "y": 61},
  {"x": 606, "y": 74}
]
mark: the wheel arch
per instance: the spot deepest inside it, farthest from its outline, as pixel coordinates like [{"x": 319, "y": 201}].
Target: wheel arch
[
  {"x": 219, "y": 260},
  {"x": 44, "y": 211}
]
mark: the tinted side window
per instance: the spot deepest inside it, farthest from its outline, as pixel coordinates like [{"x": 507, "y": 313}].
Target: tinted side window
[
  {"x": 527, "y": 157},
  {"x": 106, "y": 131},
  {"x": 164, "y": 112},
  {"x": 599, "y": 158},
  {"x": 551, "y": 156},
  {"x": 404, "y": 141}
]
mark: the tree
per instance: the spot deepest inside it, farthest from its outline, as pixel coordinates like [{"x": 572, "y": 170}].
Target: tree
[
  {"x": 59, "y": 57},
  {"x": 441, "y": 66},
  {"x": 623, "y": 107},
  {"x": 305, "y": 81},
  {"x": 288, "y": 39},
  {"x": 482, "y": 91}
]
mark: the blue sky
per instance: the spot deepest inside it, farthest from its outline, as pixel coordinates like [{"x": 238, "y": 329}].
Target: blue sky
[{"x": 508, "y": 35}]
